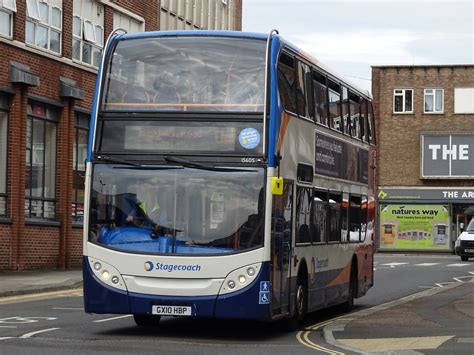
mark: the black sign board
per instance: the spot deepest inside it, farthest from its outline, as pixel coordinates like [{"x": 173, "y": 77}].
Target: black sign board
[{"x": 339, "y": 159}]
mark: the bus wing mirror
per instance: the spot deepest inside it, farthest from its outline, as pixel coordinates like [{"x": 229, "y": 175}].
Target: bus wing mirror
[{"x": 277, "y": 185}]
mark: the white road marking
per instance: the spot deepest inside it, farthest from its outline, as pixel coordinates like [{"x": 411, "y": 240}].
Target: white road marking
[
  {"x": 24, "y": 320},
  {"x": 5, "y": 338},
  {"x": 427, "y": 264},
  {"x": 29, "y": 335},
  {"x": 459, "y": 278},
  {"x": 394, "y": 264},
  {"x": 114, "y": 318},
  {"x": 442, "y": 284},
  {"x": 456, "y": 265}
]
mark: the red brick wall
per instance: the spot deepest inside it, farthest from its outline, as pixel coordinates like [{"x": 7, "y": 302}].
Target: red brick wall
[
  {"x": 39, "y": 247},
  {"x": 399, "y": 134},
  {"x": 5, "y": 251}
]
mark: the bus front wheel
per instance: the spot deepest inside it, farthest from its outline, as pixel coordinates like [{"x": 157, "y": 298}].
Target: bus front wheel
[
  {"x": 301, "y": 305},
  {"x": 146, "y": 320}
]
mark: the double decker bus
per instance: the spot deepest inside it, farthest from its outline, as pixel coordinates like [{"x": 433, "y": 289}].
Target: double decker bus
[{"x": 229, "y": 175}]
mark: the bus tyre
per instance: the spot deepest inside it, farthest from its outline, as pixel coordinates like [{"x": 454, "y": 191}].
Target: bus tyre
[
  {"x": 464, "y": 258},
  {"x": 146, "y": 320},
  {"x": 301, "y": 306},
  {"x": 349, "y": 304}
]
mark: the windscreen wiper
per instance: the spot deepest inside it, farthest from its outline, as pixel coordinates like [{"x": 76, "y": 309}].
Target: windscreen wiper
[
  {"x": 117, "y": 160},
  {"x": 196, "y": 165},
  {"x": 187, "y": 163}
]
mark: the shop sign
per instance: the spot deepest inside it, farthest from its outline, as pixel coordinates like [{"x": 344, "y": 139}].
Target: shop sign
[
  {"x": 447, "y": 155},
  {"x": 404, "y": 195},
  {"x": 414, "y": 227}
]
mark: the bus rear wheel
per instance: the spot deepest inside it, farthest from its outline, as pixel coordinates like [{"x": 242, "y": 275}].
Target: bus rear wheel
[
  {"x": 464, "y": 258},
  {"x": 348, "y": 305},
  {"x": 146, "y": 320}
]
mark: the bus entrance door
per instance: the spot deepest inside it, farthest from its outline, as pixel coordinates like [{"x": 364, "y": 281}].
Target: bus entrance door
[{"x": 281, "y": 249}]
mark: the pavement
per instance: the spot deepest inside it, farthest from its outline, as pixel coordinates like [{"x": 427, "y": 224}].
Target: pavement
[
  {"x": 437, "y": 319},
  {"x": 27, "y": 282}
]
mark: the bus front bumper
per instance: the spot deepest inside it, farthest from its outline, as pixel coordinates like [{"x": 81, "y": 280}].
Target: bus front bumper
[{"x": 246, "y": 303}]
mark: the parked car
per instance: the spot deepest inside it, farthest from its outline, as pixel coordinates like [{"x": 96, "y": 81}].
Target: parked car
[{"x": 464, "y": 245}]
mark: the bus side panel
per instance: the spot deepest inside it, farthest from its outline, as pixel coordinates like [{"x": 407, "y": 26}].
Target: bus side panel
[
  {"x": 100, "y": 298},
  {"x": 249, "y": 303},
  {"x": 365, "y": 268}
]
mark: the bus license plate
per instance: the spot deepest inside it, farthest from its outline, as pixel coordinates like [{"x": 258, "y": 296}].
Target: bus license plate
[
  {"x": 171, "y": 310},
  {"x": 469, "y": 250}
]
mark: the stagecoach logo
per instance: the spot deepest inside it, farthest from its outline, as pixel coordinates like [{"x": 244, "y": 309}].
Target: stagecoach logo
[
  {"x": 150, "y": 266},
  {"x": 249, "y": 138}
]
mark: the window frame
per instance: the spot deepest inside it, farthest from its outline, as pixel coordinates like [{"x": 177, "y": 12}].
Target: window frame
[
  {"x": 4, "y": 168},
  {"x": 38, "y": 22},
  {"x": 95, "y": 45},
  {"x": 433, "y": 94},
  {"x": 78, "y": 116},
  {"x": 9, "y": 13},
  {"x": 29, "y": 198},
  {"x": 403, "y": 95}
]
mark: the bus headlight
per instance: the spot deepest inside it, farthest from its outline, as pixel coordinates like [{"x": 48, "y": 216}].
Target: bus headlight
[
  {"x": 240, "y": 278},
  {"x": 107, "y": 274},
  {"x": 97, "y": 266}
]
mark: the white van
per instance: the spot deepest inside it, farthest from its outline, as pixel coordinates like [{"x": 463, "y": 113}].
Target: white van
[{"x": 464, "y": 245}]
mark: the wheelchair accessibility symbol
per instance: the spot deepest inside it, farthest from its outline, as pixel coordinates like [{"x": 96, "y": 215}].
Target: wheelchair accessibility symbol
[{"x": 264, "y": 297}]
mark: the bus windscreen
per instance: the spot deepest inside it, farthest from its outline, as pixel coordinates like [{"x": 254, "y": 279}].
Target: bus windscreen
[
  {"x": 188, "y": 73},
  {"x": 176, "y": 210}
]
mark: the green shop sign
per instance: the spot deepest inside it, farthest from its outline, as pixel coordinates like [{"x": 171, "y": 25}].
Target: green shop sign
[{"x": 414, "y": 227}]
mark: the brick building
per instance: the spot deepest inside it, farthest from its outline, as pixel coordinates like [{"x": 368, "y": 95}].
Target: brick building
[
  {"x": 49, "y": 53},
  {"x": 425, "y": 154}
]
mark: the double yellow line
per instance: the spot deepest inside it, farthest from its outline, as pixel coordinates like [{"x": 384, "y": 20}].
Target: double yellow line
[{"x": 303, "y": 337}]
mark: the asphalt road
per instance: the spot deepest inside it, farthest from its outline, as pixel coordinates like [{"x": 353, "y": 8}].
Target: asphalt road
[{"x": 56, "y": 322}]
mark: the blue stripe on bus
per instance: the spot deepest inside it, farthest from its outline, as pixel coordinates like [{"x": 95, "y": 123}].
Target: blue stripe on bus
[
  {"x": 94, "y": 113},
  {"x": 243, "y": 304},
  {"x": 275, "y": 110}
]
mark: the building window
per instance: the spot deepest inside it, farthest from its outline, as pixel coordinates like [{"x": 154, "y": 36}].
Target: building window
[
  {"x": 7, "y": 8},
  {"x": 87, "y": 32},
  {"x": 403, "y": 101},
  {"x": 40, "y": 184},
  {"x": 464, "y": 100},
  {"x": 44, "y": 24},
  {"x": 79, "y": 166},
  {"x": 434, "y": 100},
  {"x": 3, "y": 154},
  {"x": 127, "y": 23}
]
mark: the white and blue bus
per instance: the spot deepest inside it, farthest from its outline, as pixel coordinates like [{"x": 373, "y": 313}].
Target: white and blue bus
[{"x": 229, "y": 175}]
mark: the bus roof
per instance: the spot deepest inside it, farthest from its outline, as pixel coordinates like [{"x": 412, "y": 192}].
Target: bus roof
[
  {"x": 254, "y": 35},
  {"x": 237, "y": 34}
]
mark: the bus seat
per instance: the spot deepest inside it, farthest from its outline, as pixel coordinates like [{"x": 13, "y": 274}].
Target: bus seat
[{"x": 136, "y": 94}]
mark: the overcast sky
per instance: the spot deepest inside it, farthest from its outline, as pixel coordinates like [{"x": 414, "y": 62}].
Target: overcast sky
[{"x": 351, "y": 35}]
